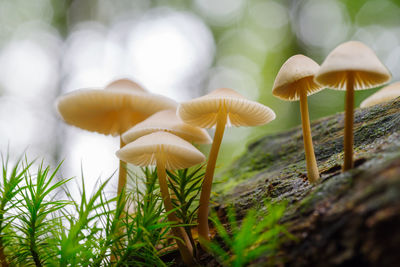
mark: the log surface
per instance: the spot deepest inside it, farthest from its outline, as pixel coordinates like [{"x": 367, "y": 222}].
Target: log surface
[{"x": 346, "y": 219}]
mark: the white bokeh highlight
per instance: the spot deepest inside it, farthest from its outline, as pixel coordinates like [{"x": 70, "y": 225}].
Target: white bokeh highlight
[{"x": 322, "y": 23}]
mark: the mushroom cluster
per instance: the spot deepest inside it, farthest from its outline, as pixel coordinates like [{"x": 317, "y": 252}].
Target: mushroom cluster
[
  {"x": 154, "y": 131},
  {"x": 350, "y": 66},
  {"x": 120, "y": 106}
]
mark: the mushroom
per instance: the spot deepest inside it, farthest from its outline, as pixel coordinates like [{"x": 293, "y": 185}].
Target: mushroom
[
  {"x": 385, "y": 94},
  {"x": 122, "y": 104},
  {"x": 167, "y": 120},
  {"x": 166, "y": 151},
  {"x": 351, "y": 66},
  {"x": 295, "y": 81},
  {"x": 219, "y": 108}
]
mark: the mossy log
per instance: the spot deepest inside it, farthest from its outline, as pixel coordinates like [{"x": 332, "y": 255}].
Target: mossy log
[{"x": 346, "y": 219}]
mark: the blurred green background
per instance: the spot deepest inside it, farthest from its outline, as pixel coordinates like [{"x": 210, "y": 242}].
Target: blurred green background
[{"x": 181, "y": 49}]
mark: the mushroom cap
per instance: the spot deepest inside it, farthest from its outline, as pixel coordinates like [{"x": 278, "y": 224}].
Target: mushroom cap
[
  {"x": 173, "y": 150},
  {"x": 167, "y": 120},
  {"x": 125, "y": 85},
  {"x": 385, "y": 94},
  {"x": 114, "y": 110},
  {"x": 356, "y": 59},
  {"x": 296, "y": 74},
  {"x": 203, "y": 111}
]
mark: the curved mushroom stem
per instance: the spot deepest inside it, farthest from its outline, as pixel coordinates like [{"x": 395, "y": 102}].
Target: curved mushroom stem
[
  {"x": 348, "y": 124},
  {"x": 183, "y": 242},
  {"x": 202, "y": 218},
  {"x": 122, "y": 171},
  {"x": 311, "y": 163}
]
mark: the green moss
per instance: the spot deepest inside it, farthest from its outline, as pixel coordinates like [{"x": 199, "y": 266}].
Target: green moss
[{"x": 228, "y": 181}]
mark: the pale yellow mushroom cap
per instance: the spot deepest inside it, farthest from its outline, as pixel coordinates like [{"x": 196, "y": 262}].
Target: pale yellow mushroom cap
[
  {"x": 295, "y": 75},
  {"x": 112, "y": 111},
  {"x": 203, "y": 111},
  {"x": 167, "y": 120},
  {"x": 385, "y": 94},
  {"x": 356, "y": 59},
  {"x": 175, "y": 152}
]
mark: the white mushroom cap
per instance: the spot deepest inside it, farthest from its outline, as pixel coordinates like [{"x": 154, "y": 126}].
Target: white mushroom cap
[
  {"x": 167, "y": 120},
  {"x": 356, "y": 59},
  {"x": 203, "y": 111},
  {"x": 295, "y": 75},
  {"x": 114, "y": 110},
  {"x": 385, "y": 94},
  {"x": 173, "y": 150}
]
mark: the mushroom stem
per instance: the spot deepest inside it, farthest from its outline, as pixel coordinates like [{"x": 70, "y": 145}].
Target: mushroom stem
[
  {"x": 122, "y": 171},
  {"x": 348, "y": 124},
  {"x": 202, "y": 218},
  {"x": 311, "y": 163},
  {"x": 121, "y": 185},
  {"x": 182, "y": 240}
]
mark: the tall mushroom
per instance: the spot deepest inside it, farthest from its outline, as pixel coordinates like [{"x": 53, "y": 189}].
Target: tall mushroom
[
  {"x": 166, "y": 151},
  {"x": 295, "y": 81},
  {"x": 351, "y": 66},
  {"x": 220, "y": 108},
  {"x": 168, "y": 121},
  {"x": 385, "y": 94},
  {"x": 112, "y": 111}
]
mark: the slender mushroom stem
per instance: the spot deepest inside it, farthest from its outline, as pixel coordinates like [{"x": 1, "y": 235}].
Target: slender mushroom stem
[
  {"x": 311, "y": 163},
  {"x": 122, "y": 171},
  {"x": 348, "y": 124},
  {"x": 121, "y": 185},
  {"x": 183, "y": 242},
  {"x": 202, "y": 217}
]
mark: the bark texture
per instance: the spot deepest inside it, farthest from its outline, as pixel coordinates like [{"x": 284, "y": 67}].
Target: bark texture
[{"x": 346, "y": 219}]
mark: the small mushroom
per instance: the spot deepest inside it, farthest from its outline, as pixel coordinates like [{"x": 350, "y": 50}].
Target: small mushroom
[
  {"x": 295, "y": 81},
  {"x": 385, "y": 94},
  {"x": 351, "y": 66},
  {"x": 122, "y": 104},
  {"x": 167, "y": 120},
  {"x": 166, "y": 151},
  {"x": 220, "y": 108}
]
